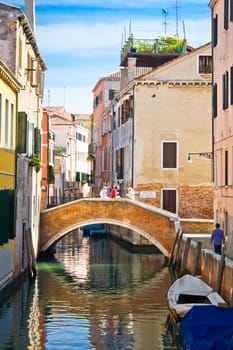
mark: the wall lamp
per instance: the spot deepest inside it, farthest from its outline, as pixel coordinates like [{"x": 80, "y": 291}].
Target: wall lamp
[{"x": 208, "y": 155}]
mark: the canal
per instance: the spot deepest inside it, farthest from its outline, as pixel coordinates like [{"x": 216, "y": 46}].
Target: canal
[{"x": 92, "y": 294}]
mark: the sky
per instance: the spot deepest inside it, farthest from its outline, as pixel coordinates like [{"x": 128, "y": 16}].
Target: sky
[{"x": 80, "y": 40}]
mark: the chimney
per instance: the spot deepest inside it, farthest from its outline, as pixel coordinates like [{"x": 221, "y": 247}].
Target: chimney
[
  {"x": 30, "y": 13},
  {"x": 131, "y": 68}
]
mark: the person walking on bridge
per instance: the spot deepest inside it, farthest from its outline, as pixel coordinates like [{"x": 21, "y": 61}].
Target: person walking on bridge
[{"x": 218, "y": 239}]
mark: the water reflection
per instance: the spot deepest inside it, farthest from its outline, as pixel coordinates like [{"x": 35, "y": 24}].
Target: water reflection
[{"x": 92, "y": 295}]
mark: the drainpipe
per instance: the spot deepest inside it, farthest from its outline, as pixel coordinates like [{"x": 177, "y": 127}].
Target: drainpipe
[
  {"x": 112, "y": 152},
  {"x": 133, "y": 138},
  {"x": 212, "y": 160}
]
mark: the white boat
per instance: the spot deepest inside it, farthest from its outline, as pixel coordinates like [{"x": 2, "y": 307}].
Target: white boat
[{"x": 188, "y": 291}]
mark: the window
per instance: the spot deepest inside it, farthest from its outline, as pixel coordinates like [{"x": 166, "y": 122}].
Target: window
[
  {"x": 111, "y": 95},
  {"x": 226, "y": 168},
  {"x": 226, "y": 14},
  {"x": 120, "y": 163},
  {"x": 6, "y": 122},
  {"x": 214, "y": 101},
  {"x": 169, "y": 155},
  {"x": 79, "y": 136},
  {"x": 205, "y": 64},
  {"x": 215, "y": 30},
  {"x": 225, "y": 90},
  {"x": 40, "y": 83},
  {"x": 34, "y": 73},
  {"x": 169, "y": 200},
  {"x": 20, "y": 53},
  {"x": 29, "y": 67}
]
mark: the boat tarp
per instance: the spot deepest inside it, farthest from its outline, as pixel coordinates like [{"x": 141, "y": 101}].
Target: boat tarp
[{"x": 208, "y": 327}]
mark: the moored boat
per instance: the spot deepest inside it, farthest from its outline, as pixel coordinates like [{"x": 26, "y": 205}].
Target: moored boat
[
  {"x": 208, "y": 327},
  {"x": 93, "y": 227},
  {"x": 97, "y": 233},
  {"x": 189, "y": 291}
]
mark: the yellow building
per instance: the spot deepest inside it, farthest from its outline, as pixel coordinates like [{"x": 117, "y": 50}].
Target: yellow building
[{"x": 9, "y": 88}]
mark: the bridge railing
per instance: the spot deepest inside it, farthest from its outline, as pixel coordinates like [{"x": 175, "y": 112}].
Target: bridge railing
[{"x": 54, "y": 201}]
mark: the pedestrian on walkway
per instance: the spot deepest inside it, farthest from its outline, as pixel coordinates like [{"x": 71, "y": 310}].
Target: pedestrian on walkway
[
  {"x": 218, "y": 239},
  {"x": 114, "y": 192}
]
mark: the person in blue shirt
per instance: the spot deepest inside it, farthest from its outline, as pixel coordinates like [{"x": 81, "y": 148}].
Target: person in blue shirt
[{"x": 218, "y": 239}]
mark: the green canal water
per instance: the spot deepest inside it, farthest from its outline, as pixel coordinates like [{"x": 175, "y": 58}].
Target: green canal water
[{"x": 92, "y": 294}]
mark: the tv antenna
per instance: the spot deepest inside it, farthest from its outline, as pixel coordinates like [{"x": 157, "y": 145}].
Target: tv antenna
[
  {"x": 177, "y": 7},
  {"x": 165, "y": 13}
]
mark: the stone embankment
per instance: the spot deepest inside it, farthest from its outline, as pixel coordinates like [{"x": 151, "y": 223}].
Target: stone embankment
[{"x": 189, "y": 256}]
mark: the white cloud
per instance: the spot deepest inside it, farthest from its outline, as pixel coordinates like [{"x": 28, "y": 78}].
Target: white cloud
[{"x": 75, "y": 39}]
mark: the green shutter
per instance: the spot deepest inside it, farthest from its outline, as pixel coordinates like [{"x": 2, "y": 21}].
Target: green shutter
[
  {"x": 7, "y": 215},
  {"x": 78, "y": 176},
  {"x": 37, "y": 142},
  {"x": 12, "y": 214},
  {"x": 22, "y": 133}
]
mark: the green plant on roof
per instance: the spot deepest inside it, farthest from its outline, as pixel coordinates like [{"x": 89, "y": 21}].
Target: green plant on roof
[
  {"x": 146, "y": 47},
  {"x": 169, "y": 44}
]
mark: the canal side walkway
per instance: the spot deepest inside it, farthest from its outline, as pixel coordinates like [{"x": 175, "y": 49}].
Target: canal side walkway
[{"x": 193, "y": 253}]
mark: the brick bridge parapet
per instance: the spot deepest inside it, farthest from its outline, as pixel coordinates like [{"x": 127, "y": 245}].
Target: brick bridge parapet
[{"x": 158, "y": 226}]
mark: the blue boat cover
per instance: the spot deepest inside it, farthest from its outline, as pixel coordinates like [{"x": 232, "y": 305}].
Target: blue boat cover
[{"x": 208, "y": 327}]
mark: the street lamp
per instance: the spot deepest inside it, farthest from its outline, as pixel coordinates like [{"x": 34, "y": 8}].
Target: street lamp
[{"x": 208, "y": 155}]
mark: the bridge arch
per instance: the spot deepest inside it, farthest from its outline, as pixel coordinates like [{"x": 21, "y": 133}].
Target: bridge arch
[{"x": 157, "y": 225}]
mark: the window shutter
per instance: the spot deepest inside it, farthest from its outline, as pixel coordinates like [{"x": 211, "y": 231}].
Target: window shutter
[
  {"x": 231, "y": 11},
  {"x": 215, "y": 31},
  {"x": 37, "y": 142},
  {"x": 78, "y": 176},
  {"x": 225, "y": 90},
  {"x": 22, "y": 133},
  {"x": 214, "y": 101},
  {"x": 169, "y": 155},
  {"x": 111, "y": 94},
  {"x": 7, "y": 215},
  {"x": 226, "y": 14},
  {"x": 226, "y": 168},
  {"x": 232, "y": 84},
  {"x": 34, "y": 75},
  {"x": 11, "y": 214}
]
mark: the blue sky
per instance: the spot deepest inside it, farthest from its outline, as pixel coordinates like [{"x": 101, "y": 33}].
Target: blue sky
[{"x": 80, "y": 40}]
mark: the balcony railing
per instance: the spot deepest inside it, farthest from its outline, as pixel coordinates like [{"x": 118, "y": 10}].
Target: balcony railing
[{"x": 162, "y": 44}]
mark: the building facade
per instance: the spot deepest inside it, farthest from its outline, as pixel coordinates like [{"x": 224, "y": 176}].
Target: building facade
[
  {"x": 222, "y": 41},
  {"x": 160, "y": 118},
  {"x": 71, "y": 167},
  {"x": 103, "y": 94},
  {"x": 20, "y": 53},
  {"x": 9, "y": 88}
]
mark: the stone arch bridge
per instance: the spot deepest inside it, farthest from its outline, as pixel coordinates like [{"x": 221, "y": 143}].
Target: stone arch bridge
[{"x": 157, "y": 225}]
